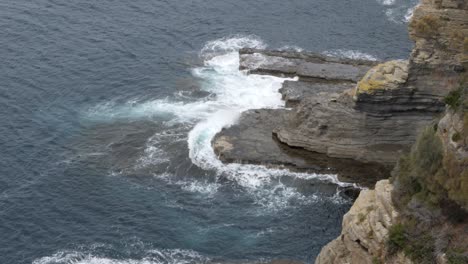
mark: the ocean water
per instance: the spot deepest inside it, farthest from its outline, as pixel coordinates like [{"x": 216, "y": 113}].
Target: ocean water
[{"x": 107, "y": 111}]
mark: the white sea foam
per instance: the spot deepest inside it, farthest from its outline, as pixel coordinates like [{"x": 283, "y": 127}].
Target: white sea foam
[
  {"x": 291, "y": 48},
  {"x": 398, "y": 11},
  {"x": 154, "y": 256},
  {"x": 153, "y": 152},
  {"x": 234, "y": 92},
  {"x": 231, "y": 44},
  {"x": 350, "y": 54},
  {"x": 164, "y": 108},
  {"x": 386, "y": 2},
  {"x": 409, "y": 14},
  {"x": 203, "y": 187}
]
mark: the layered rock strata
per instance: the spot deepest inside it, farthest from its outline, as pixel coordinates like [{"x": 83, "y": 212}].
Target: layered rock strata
[
  {"x": 422, "y": 216},
  {"x": 424, "y": 219},
  {"x": 252, "y": 139},
  {"x": 365, "y": 229},
  {"x": 369, "y": 111}
]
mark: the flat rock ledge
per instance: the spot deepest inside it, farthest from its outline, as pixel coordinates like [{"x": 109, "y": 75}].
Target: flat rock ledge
[
  {"x": 251, "y": 141},
  {"x": 305, "y": 65},
  {"x": 315, "y": 72}
]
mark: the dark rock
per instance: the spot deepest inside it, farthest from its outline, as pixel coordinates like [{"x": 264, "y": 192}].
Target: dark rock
[
  {"x": 251, "y": 141},
  {"x": 350, "y": 192},
  {"x": 307, "y": 66}
]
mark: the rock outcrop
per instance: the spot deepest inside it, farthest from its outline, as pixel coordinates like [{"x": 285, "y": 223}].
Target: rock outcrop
[
  {"x": 453, "y": 132},
  {"x": 365, "y": 229},
  {"x": 439, "y": 29},
  {"x": 372, "y": 112},
  {"x": 253, "y": 138},
  {"x": 422, "y": 216},
  {"x": 424, "y": 219},
  {"x": 353, "y": 109},
  {"x": 251, "y": 141}
]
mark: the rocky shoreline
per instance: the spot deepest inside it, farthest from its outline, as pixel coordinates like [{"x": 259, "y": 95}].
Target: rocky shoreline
[
  {"x": 324, "y": 129},
  {"x": 359, "y": 119},
  {"x": 254, "y": 139}
]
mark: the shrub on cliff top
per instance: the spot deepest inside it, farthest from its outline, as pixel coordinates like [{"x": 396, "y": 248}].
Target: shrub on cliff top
[
  {"x": 415, "y": 173},
  {"x": 427, "y": 25},
  {"x": 421, "y": 249}
]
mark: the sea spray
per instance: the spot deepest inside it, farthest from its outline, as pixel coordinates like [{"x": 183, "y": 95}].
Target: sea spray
[{"x": 231, "y": 92}]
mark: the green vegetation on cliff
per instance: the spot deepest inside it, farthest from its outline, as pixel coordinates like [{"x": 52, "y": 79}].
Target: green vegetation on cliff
[
  {"x": 431, "y": 189},
  {"x": 416, "y": 170}
]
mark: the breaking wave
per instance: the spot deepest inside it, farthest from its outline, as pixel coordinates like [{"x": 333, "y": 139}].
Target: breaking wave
[{"x": 233, "y": 91}]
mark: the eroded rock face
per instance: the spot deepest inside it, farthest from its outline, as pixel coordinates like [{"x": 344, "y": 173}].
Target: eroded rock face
[
  {"x": 353, "y": 109},
  {"x": 251, "y": 141},
  {"x": 253, "y": 138},
  {"x": 365, "y": 230},
  {"x": 329, "y": 124},
  {"x": 453, "y": 131},
  {"x": 439, "y": 29},
  {"x": 395, "y": 99}
]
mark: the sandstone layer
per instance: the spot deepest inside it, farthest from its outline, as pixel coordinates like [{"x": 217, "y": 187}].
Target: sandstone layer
[{"x": 365, "y": 229}]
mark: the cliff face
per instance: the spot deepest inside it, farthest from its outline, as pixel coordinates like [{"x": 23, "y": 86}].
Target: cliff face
[
  {"x": 353, "y": 110},
  {"x": 251, "y": 139},
  {"x": 394, "y": 100},
  {"x": 439, "y": 29},
  {"x": 365, "y": 229},
  {"x": 422, "y": 216}
]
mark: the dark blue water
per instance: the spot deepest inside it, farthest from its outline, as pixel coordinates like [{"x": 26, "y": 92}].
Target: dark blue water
[{"x": 97, "y": 103}]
